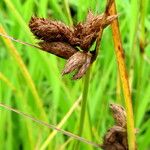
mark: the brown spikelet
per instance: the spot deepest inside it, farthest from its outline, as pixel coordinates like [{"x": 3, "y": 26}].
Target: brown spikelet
[
  {"x": 59, "y": 49},
  {"x": 119, "y": 114},
  {"x": 80, "y": 62},
  {"x": 94, "y": 23},
  {"x": 49, "y": 30},
  {"x": 78, "y": 30},
  {"x": 74, "y": 62},
  {"x": 90, "y": 16},
  {"x": 116, "y": 137},
  {"x": 87, "y": 41},
  {"x": 82, "y": 70},
  {"x": 109, "y": 20},
  {"x": 88, "y": 31}
]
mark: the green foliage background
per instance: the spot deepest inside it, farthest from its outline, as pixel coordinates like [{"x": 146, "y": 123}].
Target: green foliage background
[{"x": 37, "y": 87}]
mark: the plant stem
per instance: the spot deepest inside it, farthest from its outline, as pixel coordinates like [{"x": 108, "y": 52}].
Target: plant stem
[
  {"x": 142, "y": 43},
  {"x": 66, "y": 6},
  {"x": 83, "y": 106},
  {"x": 124, "y": 79},
  {"x": 14, "y": 53}
]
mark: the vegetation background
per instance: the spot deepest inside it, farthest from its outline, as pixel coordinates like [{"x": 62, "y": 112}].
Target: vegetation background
[{"x": 31, "y": 81}]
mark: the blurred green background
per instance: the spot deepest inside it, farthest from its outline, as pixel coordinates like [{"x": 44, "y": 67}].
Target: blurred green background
[{"x": 31, "y": 81}]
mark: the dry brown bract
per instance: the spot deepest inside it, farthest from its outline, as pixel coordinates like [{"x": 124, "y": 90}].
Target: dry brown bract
[{"x": 72, "y": 43}]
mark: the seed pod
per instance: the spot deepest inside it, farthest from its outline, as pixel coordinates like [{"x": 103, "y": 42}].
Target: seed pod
[
  {"x": 84, "y": 67},
  {"x": 93, "y": 23},
  {"x": 109, "y": 20},
  {"x": 119, "y": 114},
  {"x": 74, "y": 62},
  {"x": 115, "y": 139},
  {"x": 87, "y": 32},
  {"x": 87, "y": 41},
  {"x": 80, "y": 61},
  {"x": 90, "y": 16},
  {"x": 78, "y": 30},
  {"x": 59, "y": 49},
  {"x": 49, "y": 30}
]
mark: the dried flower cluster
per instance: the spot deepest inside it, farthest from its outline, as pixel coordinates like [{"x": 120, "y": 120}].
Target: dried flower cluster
[
  {"x": 116, "y": 137},
  {"x": 71, "y": 43}
]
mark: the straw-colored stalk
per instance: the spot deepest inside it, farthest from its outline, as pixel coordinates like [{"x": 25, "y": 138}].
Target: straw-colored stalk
[{"x": 124, "y": 79}]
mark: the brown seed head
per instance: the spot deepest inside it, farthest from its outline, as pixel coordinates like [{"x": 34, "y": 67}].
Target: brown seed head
[
  {"x": 88, "y": 32},
  {"x": 80, "y": 61},
  {"x": 74, "y": 62},
  {"x": 49, "y": 30},
  {"x": 82, "y": 70},
  {"x": 60, "y": 49},
  {"x": 119, "y": 114},
  {"x": 64, "y": 41}
]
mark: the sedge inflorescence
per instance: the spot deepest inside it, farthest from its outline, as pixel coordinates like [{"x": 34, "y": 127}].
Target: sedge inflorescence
[{"x": 71, "y": 43}]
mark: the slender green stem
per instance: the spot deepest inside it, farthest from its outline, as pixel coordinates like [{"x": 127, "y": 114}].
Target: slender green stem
[
  {"x": 66, "y": 6},
  {"x": 50, "y": 126},
  {"x": 83, "y": 106},
  {"x": 25, "y": 73},
  {"x": 143, "y": 9}
]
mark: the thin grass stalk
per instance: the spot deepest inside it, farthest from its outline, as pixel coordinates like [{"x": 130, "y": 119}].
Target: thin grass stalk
[
  {"x": 66, "y": 6},
  {"x": 14, "y": 53},
  {"x": 142, "y": 51},
  {"x": 18, "y": 17},
  {"x": 124, "y": 79},
  {"x": 50, "y": 126},
  {"x": 133, "y": 38},
  {"x": 5, "y": 80},
  {"x": 83, "y": 107},
  {"x": 64, "y": 145},
  {"x": 62, "y": 122},
  {"x": 20, "y": 95}
]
